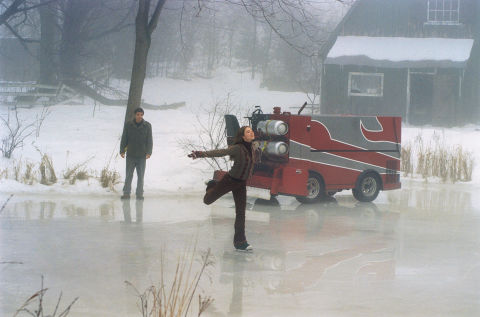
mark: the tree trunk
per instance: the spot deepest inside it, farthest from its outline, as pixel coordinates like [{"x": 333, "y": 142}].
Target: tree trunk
[
  {"x": 212, "y": 46},
  {"x": 72, "y": 41},
  {"x": 143, "y": 38},
  {"x": 47, "y": 40},
  {"x": 254, "y": 48},
  {"x": 266, "y": 56},
  {"x": 139, "y": 70},
  {"x": 230, "y": 45}
]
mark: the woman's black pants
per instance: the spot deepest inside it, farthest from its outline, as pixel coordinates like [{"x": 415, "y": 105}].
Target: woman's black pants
[{"x": 239, "y": 191}]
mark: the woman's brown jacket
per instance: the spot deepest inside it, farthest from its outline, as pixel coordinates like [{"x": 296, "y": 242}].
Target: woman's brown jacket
[{"x": 243, "y": 161}]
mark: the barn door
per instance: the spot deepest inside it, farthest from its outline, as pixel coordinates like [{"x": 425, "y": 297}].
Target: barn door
[{"x": 421, "y": 98}]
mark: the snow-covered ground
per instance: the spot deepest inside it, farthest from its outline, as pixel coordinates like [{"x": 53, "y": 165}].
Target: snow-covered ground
[{"x": 72, "y": 134}]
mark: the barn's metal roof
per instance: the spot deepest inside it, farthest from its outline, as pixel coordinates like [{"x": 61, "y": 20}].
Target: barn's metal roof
[{"x": 400, "y": 52}]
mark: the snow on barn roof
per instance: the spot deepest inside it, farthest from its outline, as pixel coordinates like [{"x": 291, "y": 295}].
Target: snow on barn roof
[{"x": 400, "y": 52}]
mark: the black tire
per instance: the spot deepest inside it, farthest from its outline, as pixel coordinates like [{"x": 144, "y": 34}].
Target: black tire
[
  {"x": 315, "y": 189},
  {"x": 368, "y": 187}
]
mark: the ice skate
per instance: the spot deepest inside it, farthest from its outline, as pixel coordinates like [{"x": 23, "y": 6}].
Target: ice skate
[
  {"x": 210, "y": 183},
  {"x": 243, "y": 247}
]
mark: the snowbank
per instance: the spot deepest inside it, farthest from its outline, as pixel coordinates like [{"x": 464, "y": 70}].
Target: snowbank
[{"x": 73, "y": 134}]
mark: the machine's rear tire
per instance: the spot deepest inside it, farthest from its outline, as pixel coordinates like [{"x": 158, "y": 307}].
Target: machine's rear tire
[
  {"x": 368, "y": 187},
  {"x": 315, "y": 190}
]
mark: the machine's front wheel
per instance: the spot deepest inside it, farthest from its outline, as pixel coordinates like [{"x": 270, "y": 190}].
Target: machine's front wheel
[{"x": 315, "y": 190}]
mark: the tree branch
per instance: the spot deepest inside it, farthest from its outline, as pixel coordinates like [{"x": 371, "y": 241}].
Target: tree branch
[
  {"x": 154, "y": 20},
  {"x": 118, "y": 27},
  {"x": 22, "y": 40},
  {"x": 19, "y": 37},
  {"x": 14, "y": 9},
  {"x": 36, "y": 5},
  {"x": 11, "y": 10}
]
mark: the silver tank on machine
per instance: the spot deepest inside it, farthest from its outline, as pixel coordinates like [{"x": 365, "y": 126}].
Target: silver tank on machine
[
  {"x": 277, "y": 148},
  {"x": 272, "y": 127}
]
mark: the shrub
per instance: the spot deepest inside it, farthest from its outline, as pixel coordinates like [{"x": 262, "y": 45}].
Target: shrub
[
  {"x": 406, "y": 165},
  {"x": 37, "y": 300},
  {"x": 77, "y": 172},
  {"x": 17, "y": 132},
  {"x": 438, "y": 160},
  {"x": 47, "y": 172},
  {"x": 212, "y": 132},
  {"x": 109, "y": 178},
  {"x": 4, "y": 173},
  {"x": 175, "y": 300},
  {"x": 17, "y": 167},
  {"x": 29, "y": 175}
]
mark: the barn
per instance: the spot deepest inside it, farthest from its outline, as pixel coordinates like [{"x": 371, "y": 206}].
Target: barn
[{"x": 418, "y": 59}]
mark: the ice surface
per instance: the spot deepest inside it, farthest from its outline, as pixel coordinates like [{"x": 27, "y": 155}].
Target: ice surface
[{"x": 412, "y": 253}]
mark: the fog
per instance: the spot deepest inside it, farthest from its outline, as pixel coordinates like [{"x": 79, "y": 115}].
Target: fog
[
  {"x": 75, "y": 39},
  {"x": 296, "y": 45},
  {"x": 71, "y": 70}
]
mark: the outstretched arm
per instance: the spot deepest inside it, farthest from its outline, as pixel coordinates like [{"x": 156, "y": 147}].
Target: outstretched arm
[{"x": 213, "y": 153}]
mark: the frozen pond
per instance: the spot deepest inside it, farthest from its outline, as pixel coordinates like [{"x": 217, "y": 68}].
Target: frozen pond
[{"x": 415, "y": 252}]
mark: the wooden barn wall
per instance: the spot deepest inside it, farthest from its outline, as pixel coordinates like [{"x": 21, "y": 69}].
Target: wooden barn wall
[
  {"x": 471, "y": 81},
  {"x": 337, "y": 101},
  {"x": 406, "y": 18},
  {"x": 446, "y": 107}
]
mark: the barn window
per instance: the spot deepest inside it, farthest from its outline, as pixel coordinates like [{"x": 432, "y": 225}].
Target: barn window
[
  {"x": 443, "y": 12},
  {"x": 365, "y": 84}
]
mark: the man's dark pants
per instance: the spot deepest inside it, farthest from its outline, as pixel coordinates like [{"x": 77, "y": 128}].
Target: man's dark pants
[
  {"x": 239, "y": 191},
  {"x": 139, "y": 164}
]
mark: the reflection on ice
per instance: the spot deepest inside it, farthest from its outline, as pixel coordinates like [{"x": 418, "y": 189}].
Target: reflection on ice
[
  {"x": 325, "y": 241},
  {"x": 433, "y": 198},
  {"x": 333, "y": 256},
  {"x": 127, "y": 212},
  {"x": 166, "y": 210}
]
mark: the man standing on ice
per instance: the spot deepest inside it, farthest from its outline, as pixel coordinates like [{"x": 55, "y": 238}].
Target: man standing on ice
[{"x": 137, "y": 142}]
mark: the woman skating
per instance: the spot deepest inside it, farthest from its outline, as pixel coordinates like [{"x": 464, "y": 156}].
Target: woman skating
[{"x": 243, "y": 156}]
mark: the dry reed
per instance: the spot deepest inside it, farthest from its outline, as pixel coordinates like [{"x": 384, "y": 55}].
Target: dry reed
[
  {"x": 175, "y": 300},
  {"x": 37, "y": 299},
  {"x": 436, "y": 159}
]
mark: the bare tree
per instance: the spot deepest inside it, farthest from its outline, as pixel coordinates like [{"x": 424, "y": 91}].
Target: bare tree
[
  {"x": 144, "y": 27},
  {"x": 304, "y": 27},
  {"x": 66, "y": 31},
  {"x": 17, "y": 131},
  {"x": 16, "y": 7},
  {"x": 84, "y": 21},
  {"x": 47, "y": 44},
  {"x": 19, "y": 10}
]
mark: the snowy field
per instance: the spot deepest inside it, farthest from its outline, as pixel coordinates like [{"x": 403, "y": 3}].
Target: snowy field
[{"x": 73, "y": 134}]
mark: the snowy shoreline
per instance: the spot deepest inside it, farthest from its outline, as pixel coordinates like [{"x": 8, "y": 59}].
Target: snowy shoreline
[{"x": 72, "y": 134}]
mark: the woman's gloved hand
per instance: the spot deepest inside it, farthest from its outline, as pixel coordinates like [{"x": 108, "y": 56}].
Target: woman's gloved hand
[{"x": 195, "y": 154}]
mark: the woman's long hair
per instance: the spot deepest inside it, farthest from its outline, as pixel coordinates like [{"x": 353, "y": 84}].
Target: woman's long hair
[{"x": 239, "y": 136}]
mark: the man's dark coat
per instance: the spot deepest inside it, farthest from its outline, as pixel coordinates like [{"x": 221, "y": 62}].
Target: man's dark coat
[{"x": 137, "y": 139}]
